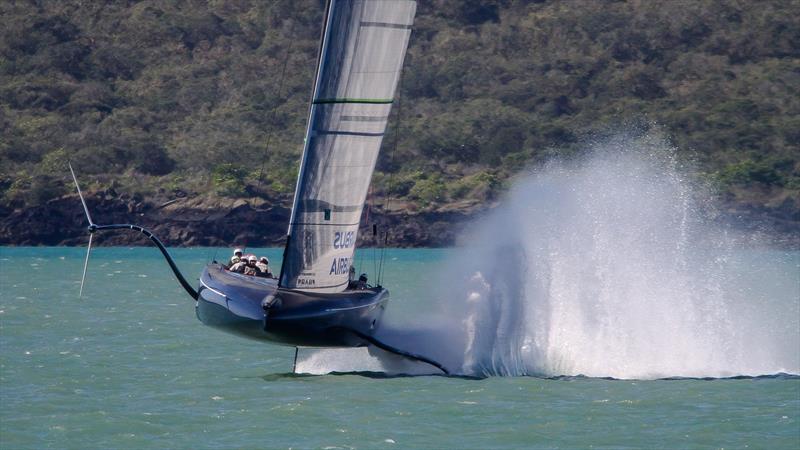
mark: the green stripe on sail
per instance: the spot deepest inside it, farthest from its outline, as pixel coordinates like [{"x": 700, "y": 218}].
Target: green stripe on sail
[{"x": 353, "y": 100}]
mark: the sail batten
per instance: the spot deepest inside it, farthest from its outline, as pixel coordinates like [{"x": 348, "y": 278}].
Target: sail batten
[{"x": 361, "y": 57}]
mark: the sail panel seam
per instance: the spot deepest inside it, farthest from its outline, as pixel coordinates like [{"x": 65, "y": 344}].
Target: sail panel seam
[
  {"x": 402, "y": 26},
  {"x": 347, "y": 133},
  {"x": 375, "y": 71},
  {"x": 370, "y": 101},
  {"x": 364, "y": 118},
  {"x": 326, "y": 224}
]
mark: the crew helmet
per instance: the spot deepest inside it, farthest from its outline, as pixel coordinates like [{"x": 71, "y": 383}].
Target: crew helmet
[
  {"x": 264, "y": 260},
  {"x": 238, "y": 252},
  {"x": 252, "y": 258}
]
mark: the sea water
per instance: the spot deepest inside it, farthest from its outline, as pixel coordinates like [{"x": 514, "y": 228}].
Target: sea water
[
  {"x": 130, "y": 366},
  {"x": 602, "y": 305}
]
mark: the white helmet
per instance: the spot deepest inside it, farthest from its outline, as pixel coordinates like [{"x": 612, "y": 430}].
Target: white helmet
[
  {"x": 264, "y": 259},
  {"x": 237, "y": 251},
  {"x": 252, "y": 258}
]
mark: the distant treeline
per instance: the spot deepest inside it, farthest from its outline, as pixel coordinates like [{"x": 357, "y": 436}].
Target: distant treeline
[{"x": 210, "y": 98}]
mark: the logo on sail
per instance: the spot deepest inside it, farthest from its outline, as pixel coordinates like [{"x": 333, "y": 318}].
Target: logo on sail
[
  {"x": 340, "y": 266},
  {"x": 343, "y": 239}
]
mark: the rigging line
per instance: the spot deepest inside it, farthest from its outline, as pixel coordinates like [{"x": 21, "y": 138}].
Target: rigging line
[
  {"x": 387, "y": 193},
  {"x": 366, "y": 221},
  {"x": 275, "y": 108},
  {"x": 274, "y": 113},
  {"x": 359, "y": 263},
  {"x": 370, "y": 200},
  {"x": 374, "y": 257},
  {"x": 383, "y": 256}
]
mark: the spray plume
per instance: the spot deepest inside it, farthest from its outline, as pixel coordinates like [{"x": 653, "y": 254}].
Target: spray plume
[{"x": 608, "y": 266}]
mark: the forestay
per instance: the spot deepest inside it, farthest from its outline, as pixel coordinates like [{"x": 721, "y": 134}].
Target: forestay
[{"x": 364, "y": 43}]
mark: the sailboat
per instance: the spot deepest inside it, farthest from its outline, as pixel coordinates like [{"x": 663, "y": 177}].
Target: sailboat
[
  {"x": 312, "y": 303},
  {"x": 361, "y": 56}
]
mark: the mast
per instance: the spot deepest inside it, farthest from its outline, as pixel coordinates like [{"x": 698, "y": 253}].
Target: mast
[
  {"x": 361, "y": 55},
  {"x": 320, "y": 57}
]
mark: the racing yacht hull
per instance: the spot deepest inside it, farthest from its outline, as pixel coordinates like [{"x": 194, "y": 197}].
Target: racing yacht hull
[{"x": 258, "y": 309}]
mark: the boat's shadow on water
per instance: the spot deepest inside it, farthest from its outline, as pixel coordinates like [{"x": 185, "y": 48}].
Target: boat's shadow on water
[{"x": 383, "y": 375}]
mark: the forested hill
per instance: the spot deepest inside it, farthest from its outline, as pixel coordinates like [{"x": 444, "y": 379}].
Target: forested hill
[{"x": 207, "y": 101}]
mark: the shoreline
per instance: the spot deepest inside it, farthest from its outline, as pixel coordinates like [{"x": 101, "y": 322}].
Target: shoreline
[{"x": 221, "y": 222}]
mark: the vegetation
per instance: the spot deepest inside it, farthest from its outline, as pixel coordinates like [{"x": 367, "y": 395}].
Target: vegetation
[{"x": 191, "y": 96}]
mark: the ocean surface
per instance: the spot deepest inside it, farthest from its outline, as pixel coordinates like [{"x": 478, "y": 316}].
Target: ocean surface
[{"x": 130, "y": 366}]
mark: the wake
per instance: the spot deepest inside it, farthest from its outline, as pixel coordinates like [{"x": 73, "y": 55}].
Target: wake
[{"x": 608, "y": 266}]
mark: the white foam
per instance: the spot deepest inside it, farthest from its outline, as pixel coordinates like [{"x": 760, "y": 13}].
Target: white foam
[
  {"x": 610, "y": 267},
  {"x": 361, "y": 359}
]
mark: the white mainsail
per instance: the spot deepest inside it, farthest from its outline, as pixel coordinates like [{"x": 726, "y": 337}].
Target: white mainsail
[{"x": 363, "y": 47}]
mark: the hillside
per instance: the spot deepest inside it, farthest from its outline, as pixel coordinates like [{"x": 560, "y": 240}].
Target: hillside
[{"x": 205, "y": 103}]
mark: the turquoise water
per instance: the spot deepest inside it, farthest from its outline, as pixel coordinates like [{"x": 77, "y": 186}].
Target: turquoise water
[{"x": 129, "y": 366}]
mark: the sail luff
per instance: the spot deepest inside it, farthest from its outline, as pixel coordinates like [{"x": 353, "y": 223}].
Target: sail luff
[
  {"x": 311, "y": 110},
  {"x": 363, "y": 49},
  {"x": 323, "y": 40}
]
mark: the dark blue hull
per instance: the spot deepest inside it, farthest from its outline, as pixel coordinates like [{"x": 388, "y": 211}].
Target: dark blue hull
[{"x": 257, "y": 308}]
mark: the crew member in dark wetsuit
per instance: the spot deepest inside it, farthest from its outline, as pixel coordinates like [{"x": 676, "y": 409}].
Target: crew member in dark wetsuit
[
  {"x": 263, "y": 268},
  {"x": 362, "y": 282}
]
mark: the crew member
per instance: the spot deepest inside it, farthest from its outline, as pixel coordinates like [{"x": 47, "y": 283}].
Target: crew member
[
  {"x": 239, "y": 266},
  {"x": 362, "y": 282},
  {"x": 250, "y": 268},
  {"x": 237, "y": 256},
  {"x": 263, "y": 267}
]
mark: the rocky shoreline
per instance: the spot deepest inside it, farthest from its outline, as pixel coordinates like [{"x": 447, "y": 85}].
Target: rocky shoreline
[
  {"x": 186, "y": 221},
  {"x": 213, "y": 222}
]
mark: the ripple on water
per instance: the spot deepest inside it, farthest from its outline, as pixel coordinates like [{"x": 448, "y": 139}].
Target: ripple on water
[{"x": 152, "y": 371}]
